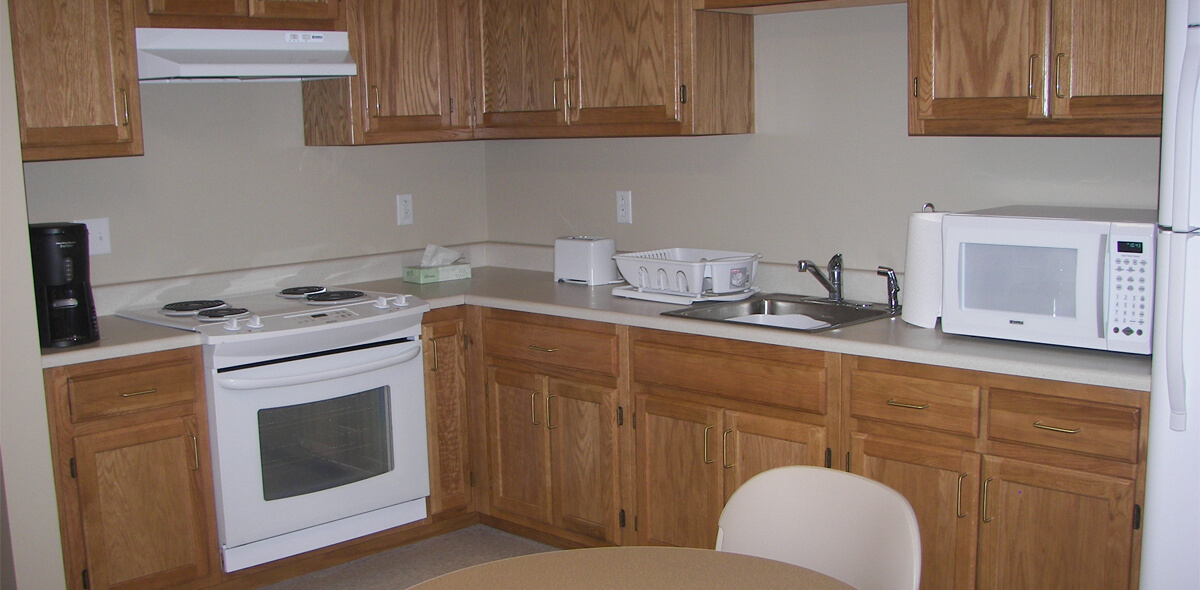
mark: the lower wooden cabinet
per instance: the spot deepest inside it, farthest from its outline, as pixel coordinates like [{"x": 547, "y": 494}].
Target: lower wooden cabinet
[
  {"x": 133, "y": 473},
  {"x": 444, "y": 334}
]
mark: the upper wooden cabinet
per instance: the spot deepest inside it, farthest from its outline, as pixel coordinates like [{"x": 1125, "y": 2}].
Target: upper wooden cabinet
[
  {"x": 1035, "y": 67},
  {"x": 76, "y": 79},
  {"x": 413, "y": 82},
  {"x": 611, "y": 67},
  {"x": 240, "y": 14}
]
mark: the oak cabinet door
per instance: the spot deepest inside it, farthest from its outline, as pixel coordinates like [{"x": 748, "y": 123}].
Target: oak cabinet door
[
  {"x": 678, "y": 478},
  {"x": 297, "y": 9},
  {"x": 517, "y": 443},
  {"x": 751, "y": 444},
  {"x": 581, "y": 419},
  {"x": 289, "y": 9},
  {"x": 1047, "y": 527},
  {"x": 76, "y": 79},
  {"x": 198, "y": 7},
  {"x": 446, "y": 415},
  {"x": 523, "y": 62},
  {"x": 141, "y": 495},
  {"x": 942, "y": 485}
]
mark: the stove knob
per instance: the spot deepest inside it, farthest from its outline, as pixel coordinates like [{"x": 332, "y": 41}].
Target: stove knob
[
  {"x": 232, "y": 325},
  {"x": 401, "y": 301},
  {"x": 254, "y": 322},
  {"x": 381, "y": 302}
]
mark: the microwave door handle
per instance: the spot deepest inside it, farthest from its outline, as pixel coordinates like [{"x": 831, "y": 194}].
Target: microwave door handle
[
  {"x": 1102, "y": 290},
  {"x": 248, "y": 384},
  {"x": 1176, "y": 308},
  {"x": 1185, "y": 133}
]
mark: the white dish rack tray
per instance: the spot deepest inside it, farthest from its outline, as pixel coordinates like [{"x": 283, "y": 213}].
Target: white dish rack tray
[{"x": 689, "y": 274}]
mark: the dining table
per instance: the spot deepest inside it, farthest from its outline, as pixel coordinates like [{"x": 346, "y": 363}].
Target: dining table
[{"x": 635, "y": 567}]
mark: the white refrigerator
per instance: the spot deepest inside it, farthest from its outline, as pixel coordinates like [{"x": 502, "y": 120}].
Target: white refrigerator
[{"x": 1171, "y": 521}]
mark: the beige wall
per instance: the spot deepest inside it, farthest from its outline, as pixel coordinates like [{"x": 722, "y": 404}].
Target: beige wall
[
  {"x": 227, "y": 183},
  {"x": 830, "y": 169},
  {"x": 29, "y": 507}
]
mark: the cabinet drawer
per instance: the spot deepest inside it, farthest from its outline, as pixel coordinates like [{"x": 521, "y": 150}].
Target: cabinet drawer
[
  {"x": 936, "y": 405},
  {"x": 1082, "y": 427},
  {"x": 564, "y": 347},
  {"x": 106, "y": 394}
]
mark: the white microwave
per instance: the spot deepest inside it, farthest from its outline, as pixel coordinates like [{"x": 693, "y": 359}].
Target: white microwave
[{"x": 1055, "y": 275}]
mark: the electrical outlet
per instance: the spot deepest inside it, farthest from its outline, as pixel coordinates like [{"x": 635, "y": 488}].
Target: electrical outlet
[
  {"x": 98, "y": 236},
  {"x": 404, "y": 209},
  {"x": 624, "y": 206}
]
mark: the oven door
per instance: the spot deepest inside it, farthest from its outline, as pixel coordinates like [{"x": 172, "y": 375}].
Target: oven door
[{"x": 311, "y": 440}]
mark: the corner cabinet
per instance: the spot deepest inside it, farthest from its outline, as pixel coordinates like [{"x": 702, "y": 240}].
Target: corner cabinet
[
  {"x": 1036, "y": 67},
  {"x": 129, "y": 440},
  {"x": 76, "y": 79},
  {"x": 444, "y": 334}
]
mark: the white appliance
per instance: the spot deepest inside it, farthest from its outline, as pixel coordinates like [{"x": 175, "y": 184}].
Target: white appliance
[
  {"x": 1070, "y": 276},
  {"x": 585, "y": 260},
  {"x": 215, "y": 54},
  {"x": 316, "y": 412},
  {"x": 1171, "y": 524}
]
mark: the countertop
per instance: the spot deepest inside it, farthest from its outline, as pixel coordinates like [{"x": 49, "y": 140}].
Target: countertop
[{"x": 536, "y": 292}]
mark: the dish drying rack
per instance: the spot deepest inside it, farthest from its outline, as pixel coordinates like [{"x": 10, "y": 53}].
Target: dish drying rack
[{"x": 687, "y": 275}]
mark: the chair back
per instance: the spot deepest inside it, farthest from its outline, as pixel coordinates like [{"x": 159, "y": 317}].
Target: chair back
[{"x": 843, "y": 525}]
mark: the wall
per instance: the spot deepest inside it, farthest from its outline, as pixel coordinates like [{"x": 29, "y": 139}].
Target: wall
[
  {"x": 227, "y": 183},
  {"x": 28, "y": 512},
  {"x": 830, "y": 169}
]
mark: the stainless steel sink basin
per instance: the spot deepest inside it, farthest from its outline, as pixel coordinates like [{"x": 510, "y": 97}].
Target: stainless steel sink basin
[{"x": 789, "y": 312}]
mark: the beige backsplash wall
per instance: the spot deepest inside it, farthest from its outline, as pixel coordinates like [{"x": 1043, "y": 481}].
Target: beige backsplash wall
[
  {"x": 227, "y": 183},
  {"x": 830, "y": 169}
]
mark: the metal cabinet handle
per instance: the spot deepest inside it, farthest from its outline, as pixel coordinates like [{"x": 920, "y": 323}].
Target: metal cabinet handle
[
  {"x": 1039, "y": 424},
  {"x": 125, "y": 102},
  {"x": 725, "y": 448},
  {"x": 540, "y": 349},
  {"x": 554, "y": 92},
  {"x": 549, "y": 426},
  {"x": 375, "y": 90},
  {"x": 983, "y": 511},
  {"x": 433, "y": 341},
  {"x": 1058, "y": 75},
  {"x": 533, "y": 408},
  {"x": 1032, "y": 61},
  {"x": 195, "y": 452},
  {"x": 958, "y": 502},
  {"x": 897, "y": 404},
  {"x": 915, "y": 86},
  {"x": 706, "y": 459},
  {"x": 137, "y": 393}
]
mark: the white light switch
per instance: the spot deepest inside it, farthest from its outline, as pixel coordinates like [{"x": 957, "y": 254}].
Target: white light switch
[{"x": 98, "y": 237}]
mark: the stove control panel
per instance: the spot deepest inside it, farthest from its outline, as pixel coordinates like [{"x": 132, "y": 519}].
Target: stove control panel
[{"x": 366, "y": 309}]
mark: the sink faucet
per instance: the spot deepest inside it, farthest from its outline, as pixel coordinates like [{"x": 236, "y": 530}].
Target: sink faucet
[
  {"x": 833, "y": 283},
  {"x": 893, "y": 286}
]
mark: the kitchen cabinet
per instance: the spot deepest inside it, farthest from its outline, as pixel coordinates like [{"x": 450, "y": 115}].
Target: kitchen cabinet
[
  {"x": 132, "y": 468},
  {"x": 76, "y": 79},
  {"x": 1036, "y": 67},
  {"x": 698, "y": 439},
  {"x": 240, "y": 14},
  {"x": 613, "y": 67},
  {"x": 1016, "y": 483},
  {"x": 552, "y": 424},
  {"x": 413, "y": 82},
  {"x": 444, "y": 335}
]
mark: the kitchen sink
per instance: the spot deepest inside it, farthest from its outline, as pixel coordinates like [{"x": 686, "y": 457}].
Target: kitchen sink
[{"x": 789, "y": 312}]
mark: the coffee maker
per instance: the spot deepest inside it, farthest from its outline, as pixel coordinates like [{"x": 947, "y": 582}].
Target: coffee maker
[{"x": 62, "y": 287}]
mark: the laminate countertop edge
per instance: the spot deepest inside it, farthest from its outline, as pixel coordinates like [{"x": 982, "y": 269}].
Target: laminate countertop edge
[{"x": 536, "y": 292}]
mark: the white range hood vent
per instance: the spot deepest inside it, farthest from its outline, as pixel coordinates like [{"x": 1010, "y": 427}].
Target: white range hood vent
[{"x": 224, "y": 54}]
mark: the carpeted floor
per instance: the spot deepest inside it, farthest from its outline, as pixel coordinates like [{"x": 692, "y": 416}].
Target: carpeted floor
[{"x": 411, "y": 564}]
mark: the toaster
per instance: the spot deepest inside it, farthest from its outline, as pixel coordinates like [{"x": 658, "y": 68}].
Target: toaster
[{"x": 585, "y": 260}]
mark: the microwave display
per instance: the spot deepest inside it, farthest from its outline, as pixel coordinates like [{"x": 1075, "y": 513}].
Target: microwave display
[
  {"x": 1129, "y": 247},
  {"x": 1019, "y": 279}
]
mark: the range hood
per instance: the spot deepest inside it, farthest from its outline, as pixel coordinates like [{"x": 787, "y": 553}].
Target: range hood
[{"x": 223, "y": 54}]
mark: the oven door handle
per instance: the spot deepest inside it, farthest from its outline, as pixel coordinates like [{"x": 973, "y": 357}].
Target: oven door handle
[{"x": 247, "y": 384}]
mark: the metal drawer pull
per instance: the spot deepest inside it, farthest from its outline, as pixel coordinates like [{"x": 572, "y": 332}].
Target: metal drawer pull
[
  {"x": 1039, "y": 424},
  {"x": 540, "y": 349},
  {"x": 725, "y": 448},
  {"x": 897, "y": 404},
  {"x": 549, "y": 426},
  {"x": 1058, "y": 75},
  {"x": 983, "y": 512},
  {"x": 1032, "y": 61},
  {"x": 706, "y": 459},
  {"x": 533, "y": 408},
  {"x": 137, "y": 393},
  {"x": 195, "y": 452},
  {"x": 958, "y": 503}
]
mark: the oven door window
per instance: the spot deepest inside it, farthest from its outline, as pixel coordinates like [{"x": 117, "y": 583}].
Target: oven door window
[{"x": 325, "y": 444}]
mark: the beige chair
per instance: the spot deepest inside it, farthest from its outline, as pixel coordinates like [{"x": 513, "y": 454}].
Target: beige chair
[{"x": 840, "y": 524}]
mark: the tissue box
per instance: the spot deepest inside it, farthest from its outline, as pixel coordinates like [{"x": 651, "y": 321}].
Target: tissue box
[{"x": 437, "y": 274}]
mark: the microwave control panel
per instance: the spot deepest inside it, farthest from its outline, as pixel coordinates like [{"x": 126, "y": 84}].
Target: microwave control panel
[{"x": 1130, "y": 288}]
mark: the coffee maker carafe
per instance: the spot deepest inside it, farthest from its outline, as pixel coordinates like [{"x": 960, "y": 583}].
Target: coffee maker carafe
[{"x": 62, "y": 287}]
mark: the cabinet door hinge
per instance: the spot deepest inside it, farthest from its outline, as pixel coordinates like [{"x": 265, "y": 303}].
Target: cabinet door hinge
[
  {"x": 74, "y": 473},
  {"x": 635, "y": 523},
  {"x": 87, "y": 583},
  {"x": 633, "y": 420},
  {"x": 847, "y": 461},
  {"x": 622, "y": 518},
  {"x": 828, "y": 457},
  {"x": 683, "y": 94},
  {"x": 1137, "y": 516},
  {"x": 466, "y": 342},
  {"x": 620, "y": 417},
  {"x": 471, "y": 478},
  {"x": 451, "y": 105}
]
